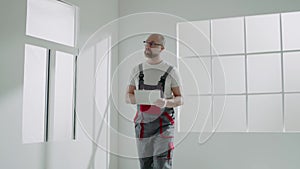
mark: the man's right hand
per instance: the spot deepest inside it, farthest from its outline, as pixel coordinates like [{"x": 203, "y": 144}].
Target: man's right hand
[{"x": 130, "y": 98}]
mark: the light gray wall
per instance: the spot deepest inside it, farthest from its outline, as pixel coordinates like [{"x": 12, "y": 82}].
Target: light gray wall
[
  {"x": 223, "y": 150},
  {"x": 64, "y": 154},
  {"x": 249, "y": 151}
]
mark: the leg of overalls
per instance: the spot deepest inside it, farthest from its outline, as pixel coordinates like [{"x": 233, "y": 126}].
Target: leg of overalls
[
  {"x": 156, "y": 152},
  {"x": 145, "y": 151},
  {"x": 163, "y": 144},
  {"x": 144, "y": 147},
  {"x": 145, "y": 133},
  {"x": 163, "y": 153}
]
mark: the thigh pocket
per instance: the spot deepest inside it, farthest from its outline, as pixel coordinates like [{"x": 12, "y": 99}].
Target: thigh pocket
[
  {"x": 166, "y": 130},
  {"x": 168, "y": 118}
]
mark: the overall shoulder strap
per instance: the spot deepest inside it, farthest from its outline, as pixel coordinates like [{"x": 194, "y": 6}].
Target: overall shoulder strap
[
  {"x": 163, "y": 77},
  {"x": 141, "y": 77},
  {"x": 162, "y": 80}
]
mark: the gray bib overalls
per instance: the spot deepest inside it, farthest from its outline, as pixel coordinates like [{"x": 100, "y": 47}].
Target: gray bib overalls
[{"x": 154, "y": 129}]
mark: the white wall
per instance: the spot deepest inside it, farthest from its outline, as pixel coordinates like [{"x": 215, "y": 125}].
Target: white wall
[
  {"x": 65, "y": 154},
  {"x": 223, "y": 150}
]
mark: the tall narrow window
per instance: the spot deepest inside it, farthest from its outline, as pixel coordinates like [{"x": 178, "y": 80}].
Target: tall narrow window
[
  {"x": 34, "y": 95},
  {"x": 102, "y": 93},
  {"x": 63, "y": 98}
]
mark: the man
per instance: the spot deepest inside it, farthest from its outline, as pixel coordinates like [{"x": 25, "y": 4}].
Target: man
[{"x": 154, "y": 124}]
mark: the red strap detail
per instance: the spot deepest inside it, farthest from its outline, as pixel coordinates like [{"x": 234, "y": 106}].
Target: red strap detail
[
  {"x": 142, "y": 131},
  {"x": 169, "y": 154},
  {"x": 135, "y": 117},
  {"x": 171, "y": 145},
  {"x": 169, "y": 117},
  {"x": 160, "y": 125}
]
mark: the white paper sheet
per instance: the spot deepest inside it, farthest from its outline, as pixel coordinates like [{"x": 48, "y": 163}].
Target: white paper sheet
[{"x": 146, "y": 96}]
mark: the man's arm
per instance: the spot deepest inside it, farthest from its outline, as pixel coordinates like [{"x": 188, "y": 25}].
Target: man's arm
[
  {"x": 177, "y": 100},
  {"x": 130, "y": 98}
]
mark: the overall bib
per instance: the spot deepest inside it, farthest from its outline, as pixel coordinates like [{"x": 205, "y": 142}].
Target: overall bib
[{"x": 154, "y": 129}]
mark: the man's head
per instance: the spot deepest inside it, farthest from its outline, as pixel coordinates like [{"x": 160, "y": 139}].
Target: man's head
[{"x": 154, "y": 44}]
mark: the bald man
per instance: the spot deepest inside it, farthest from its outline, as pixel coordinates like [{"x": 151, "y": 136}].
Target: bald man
[{"x": 154, "y": 123}]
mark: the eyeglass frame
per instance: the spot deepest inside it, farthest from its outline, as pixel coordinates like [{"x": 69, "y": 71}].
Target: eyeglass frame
[{"x": 152, "y": 44}]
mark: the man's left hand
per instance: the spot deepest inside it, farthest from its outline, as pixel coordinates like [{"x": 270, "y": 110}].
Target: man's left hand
[{"x": 160, "y": 102}]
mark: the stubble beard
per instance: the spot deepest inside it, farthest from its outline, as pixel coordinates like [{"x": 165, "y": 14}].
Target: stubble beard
[{"x": 149, "y": 54}]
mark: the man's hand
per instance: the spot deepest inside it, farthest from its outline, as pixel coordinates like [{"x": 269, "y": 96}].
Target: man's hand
[
  {"x": 129, "y": 97},
  {"x": 177, "y": 99},
  {"x": 161, "y": 102}
]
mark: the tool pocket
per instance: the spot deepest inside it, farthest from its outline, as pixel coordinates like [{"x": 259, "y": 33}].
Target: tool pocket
[
  {"x": 166, "y": 129},
  {"x": 168, "y": 118}
]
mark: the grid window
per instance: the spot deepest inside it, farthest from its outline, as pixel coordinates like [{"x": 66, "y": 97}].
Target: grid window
[{"x": 259, "y": 75}]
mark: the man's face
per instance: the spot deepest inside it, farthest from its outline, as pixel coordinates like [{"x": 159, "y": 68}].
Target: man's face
[{"x": 153, "y": 46}]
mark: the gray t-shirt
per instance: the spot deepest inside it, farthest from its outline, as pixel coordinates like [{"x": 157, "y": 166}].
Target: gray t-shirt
[{"x": 152, "y": 74}]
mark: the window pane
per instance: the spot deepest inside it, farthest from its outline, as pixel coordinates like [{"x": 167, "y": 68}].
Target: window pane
[
  {"x": 51, "y": 20},
  {"x": 290, "y": 30},
  {"x": 264, "y": 73},
  {"x": 195, "y": 114},
  {"x": 231, "y": 71},
  {"x": 265, "y": 113},
  {"x": 190, "y": 35},
  {"x": 233, "y": 117},
  {"x": 228, "y": 35},
  {"x": 291, "y": 72},
  {"x": 195, "y": 74},
  {"x": 292, "y": 112},
  {"x": 34, "y": 94},
  {"x": 263, "y": 33},
  {"x": 63, "y": 96}
]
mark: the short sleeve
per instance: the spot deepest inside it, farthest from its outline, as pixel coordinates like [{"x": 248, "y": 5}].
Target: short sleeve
[
  {"x": 132, "y": 77},
  {"x": 175, "y": 78}
]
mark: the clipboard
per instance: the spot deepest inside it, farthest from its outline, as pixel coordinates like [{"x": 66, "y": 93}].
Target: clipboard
[{"x": 147, "y": 97}]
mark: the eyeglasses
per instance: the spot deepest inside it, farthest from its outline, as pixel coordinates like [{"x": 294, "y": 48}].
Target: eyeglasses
[{"x": 152, "y": 44}]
